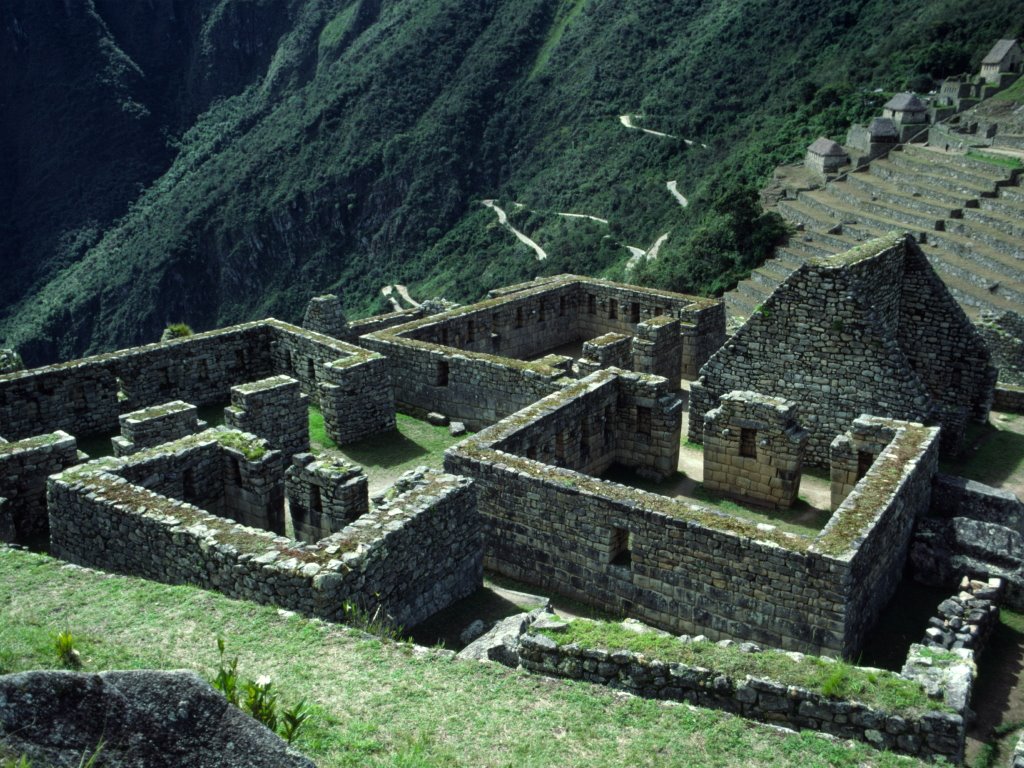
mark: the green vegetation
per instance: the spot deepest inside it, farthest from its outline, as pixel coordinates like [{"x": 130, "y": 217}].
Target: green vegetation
[
  {"x": 376, "y": 703},
  {"x": 384, "y": 457},
  {"x": 1004, "y": 161},
  {"x": 252, "y": 449},
  {"x": 177, "y": 331},
  {"x": 10, "y": 361},
  {"x": 352, "y": 146},
  {"x": 64, "y": 644},
  {"x": 993, "y": 453},
  {"x": 836, "y": 679}
]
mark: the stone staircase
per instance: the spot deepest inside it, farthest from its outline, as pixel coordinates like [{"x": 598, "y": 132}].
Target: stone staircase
[{"x": 968, "y": 215}]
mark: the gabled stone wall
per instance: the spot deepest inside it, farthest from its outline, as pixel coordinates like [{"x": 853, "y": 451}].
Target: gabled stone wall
[
  {"x": 274, "y": 409},
  {"x": 869, "y": 331}
]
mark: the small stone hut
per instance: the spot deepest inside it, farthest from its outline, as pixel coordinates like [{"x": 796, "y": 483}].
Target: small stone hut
[
  {"x": 1005, "y": 56},
  {"x": 905, "y": 109},
  {"x": 825, "y": 156}
]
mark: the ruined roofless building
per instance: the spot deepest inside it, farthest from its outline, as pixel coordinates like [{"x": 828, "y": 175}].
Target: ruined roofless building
[{"x": 871, "y": 331}]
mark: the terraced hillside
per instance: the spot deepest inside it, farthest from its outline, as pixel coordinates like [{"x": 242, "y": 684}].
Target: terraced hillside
[{"x": 968, "y": 214}]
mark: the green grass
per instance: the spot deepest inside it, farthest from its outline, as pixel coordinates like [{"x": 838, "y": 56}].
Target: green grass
[
  {"x": 385, "y": 456},
  {"x": 568, "y": 11},
  {"x": 377, "y": 703},
  {"x": 785, "y": 519},
  {"x": 835, "y": 679},
  {"x": 992, "y": 454},
  {"x": 1004, "y": 161}
]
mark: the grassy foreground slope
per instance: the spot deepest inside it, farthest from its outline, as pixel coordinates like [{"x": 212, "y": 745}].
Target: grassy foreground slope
[
  {"x": 354, "y": 146},
  {"x": 380, "y": 703}
]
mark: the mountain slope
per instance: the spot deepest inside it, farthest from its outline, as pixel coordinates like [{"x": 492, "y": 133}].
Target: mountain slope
[{"x": 348, "y": 144}]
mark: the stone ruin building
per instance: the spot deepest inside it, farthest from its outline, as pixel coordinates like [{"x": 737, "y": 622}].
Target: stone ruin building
[
  {"x": 871, "y": 331},
  {"x": 862, "y": 364}
]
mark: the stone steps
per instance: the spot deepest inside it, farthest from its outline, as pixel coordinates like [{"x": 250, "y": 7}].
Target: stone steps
[
  {"x": 936, "y": 203},
  {"x": 964, "y": 247},
  {"x": 951, "y": 166},
  {"x": 799, "y": 248},
  {"x": 1012, "y": 193},
  {"x": 966, "y": 162},
  {"x": 969, "y": 295},
  {"x": 955, "y": 176},
  {"x": 1012, "y": 224},
  {"x": 856, "y": 222},
  {"x": 977, "y": 237},
  {"x": 1004, "y": 204},
  {"x": 918, "y": 177},
  {"x": 969, "y": 271},
  {"x": 908, "y": 217},
  {"x": 737, "y": 305}
]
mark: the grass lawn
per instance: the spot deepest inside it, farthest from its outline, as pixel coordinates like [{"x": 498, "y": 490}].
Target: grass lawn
[
  {"x": 994, "y": 453},
  {"x": 385, "y": 456},
  {"x": 379, "y": 703}
]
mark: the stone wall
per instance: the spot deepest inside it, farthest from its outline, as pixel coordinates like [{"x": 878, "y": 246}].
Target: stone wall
[
  {"x": 86, "y": 397},
  {"x": 954, "y": 496},
  {"x": 470, "y": 363},
  {"x": 274, "y": 409},
  {"x": 925, "y": 734},
  {"x": 869, "y": 331},
  {"x": 966, "y": 619},
  {"x": 1008, "y": 399},
  {"x": 156, "y": 425},
  {"x": 357, "y": 398},
  {"x": 325, "y": 493},
  {"x": 753, "y": 449},
  {"x": 871, "y": 530},
  {"x": 407, "y": 558},
  {"x": 1004, "y": 334},
  {"x": 24, "y": 467},
  {"x": 324, "y": 314},
  {"x": 658, "y": 348},
  {"x": 853, "y": 452},
  {"x": 683, "y": 566}
]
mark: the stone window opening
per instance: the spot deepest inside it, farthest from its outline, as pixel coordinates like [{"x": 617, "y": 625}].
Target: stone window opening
[
  {"x": 561, "y": 306},
  {"x": 864, "y": 461},
  {"x": 441, "y": 374},
  {"x": 531, "y": 452},
  {"x": 609, "y": 425},
  {"x": 748, "y": 443},
  {"x": 621, "y": 553},
  {"x": 188, "y": 485},
  {"x": 234, "y": 472},
  {"x": 470, "y": 332},
  {"x": 591, "y": 304},
  {"x": 203, "y": 371},
  {"x": 519, "y": 317},
  {"x": 643, "y": 420},
  {"x": 659, "y": 311},
  {"x": 240, "y": 358},
  {"x": 613, "y": 309},
  {"x": 444, "y": 335},
  {"x": 311, "y": 371},
  {"x": 540, "y": 312},
  {"x": 634, "y": 312},
  {"x": 584, "y": 438}
]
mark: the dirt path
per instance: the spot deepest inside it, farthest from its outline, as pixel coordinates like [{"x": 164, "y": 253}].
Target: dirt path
[
  {"x": 404, "y": 293},
  {"x": 584, "y": 216},
  {"x": 673, "y": 187},
  {"x": 503, "y": 220},
  {"x": 627, "y": 121},
  {"x": 639, "y": 255},
  {"x": 388, "y": 292}
]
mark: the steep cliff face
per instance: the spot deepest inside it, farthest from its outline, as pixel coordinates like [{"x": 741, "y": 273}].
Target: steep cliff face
[{"x": 217, "y": 160}]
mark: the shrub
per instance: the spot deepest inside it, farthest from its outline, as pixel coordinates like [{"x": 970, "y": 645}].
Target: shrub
[
  {"x": 176, "y": 331},
  {"x": 69, "y": 656}
]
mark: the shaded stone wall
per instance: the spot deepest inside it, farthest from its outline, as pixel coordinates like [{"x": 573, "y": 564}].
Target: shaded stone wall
[
  {"x": 24, "y": 467},
  {"x": 324, "y": 314},
  {"x": 156, "y": 425},
  {"x": 409, "y": 558},
  {"x": 872, "y": 529},
  {"x": 850, "y": 335},
  {"x": 852, "y": 454},
  {"x": 274, "y": 409},
  {"x": 753, "y": 449},
  {"x": 86, "y": 397},
  {"x": 612, "y": 350},
  {"x": 1003, "y": 332},
  {"x": 325, "y": 493},
  {"x": 357, "y": 398}
]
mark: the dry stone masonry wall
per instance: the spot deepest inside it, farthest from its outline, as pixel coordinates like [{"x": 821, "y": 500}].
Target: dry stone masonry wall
[
  {"x": 274, "y": 409},
  {"x": 753, "y": 449},
  {"x": 408, "y": 558},
  {"x": 325, "y": 493},
  {"x": 24, "y": 467},
  {"x": 870, "y": 331},
  {"x": 154, "y": 426}
]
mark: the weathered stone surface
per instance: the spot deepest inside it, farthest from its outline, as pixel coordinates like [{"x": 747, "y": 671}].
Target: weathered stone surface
[{"x": 155, "y": 719}]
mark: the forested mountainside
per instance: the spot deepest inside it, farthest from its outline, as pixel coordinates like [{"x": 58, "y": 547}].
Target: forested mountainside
[{"x": 211, "y": 161}]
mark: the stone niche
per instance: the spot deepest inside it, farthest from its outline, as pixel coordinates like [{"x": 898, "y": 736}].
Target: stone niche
[
  {"x": 325, "y": 494},
  {"x": 154, "y": 426},
  {"x": 754, "y": 448}
]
